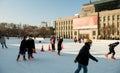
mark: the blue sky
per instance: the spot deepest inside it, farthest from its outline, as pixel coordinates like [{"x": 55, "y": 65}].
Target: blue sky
[{"x": 34, "y": 11}]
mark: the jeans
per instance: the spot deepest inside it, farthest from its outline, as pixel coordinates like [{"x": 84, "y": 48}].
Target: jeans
[{"x": 79, "y": 68}]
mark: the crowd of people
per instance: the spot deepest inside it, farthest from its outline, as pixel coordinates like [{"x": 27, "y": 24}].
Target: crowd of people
[{"x": 28, "y": 45}]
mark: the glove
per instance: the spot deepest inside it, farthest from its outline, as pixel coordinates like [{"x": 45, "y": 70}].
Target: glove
[
  {"x": 75, "y": 61},
  {"x": 96, "y": 60}
]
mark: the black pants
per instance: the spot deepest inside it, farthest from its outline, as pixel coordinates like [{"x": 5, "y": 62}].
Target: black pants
[
  {"x": 111, "y": 50},
  {"x": 53, "y": 47}
]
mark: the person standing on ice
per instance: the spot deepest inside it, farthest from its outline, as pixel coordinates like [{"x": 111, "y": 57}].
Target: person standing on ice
[
  {"x": 83, "y": 57},
  {"x": 111, "y": 50},
  {"x": 60, "y": 40},
  {"x": 3, "y": 41},
  {"x": 30, "y": 46},
  {"x": 23, "y": 48},
  {"x": 52, "y": 40}
]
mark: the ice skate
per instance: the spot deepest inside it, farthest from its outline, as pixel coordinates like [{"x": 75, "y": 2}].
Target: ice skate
[
  {"x": 24, "y": 59},
  {"x": 106, "y": 55},
  {"x": 17, "y": 60},
  {"x": 113, "y": 58}
]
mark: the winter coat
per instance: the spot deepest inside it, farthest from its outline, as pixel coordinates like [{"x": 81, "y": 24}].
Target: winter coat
[
  {"x": 30, "y": 45},
  {"x": 113, "y": 45},
  {"x": 23, "y": 46},
  {"x": 59, "y": 44},
  {"x": 84, "y": 55},
  {"x": 2, "y": 39}
]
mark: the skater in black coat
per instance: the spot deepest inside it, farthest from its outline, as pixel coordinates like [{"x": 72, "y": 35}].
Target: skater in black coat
[
  {"x": 60, "y": 40},
  {"x": 111, "y": 50},
  {"x": 23, "y": 48},
  {"x": 30, "y": 46},
  {"x": 83, "y": 57}
]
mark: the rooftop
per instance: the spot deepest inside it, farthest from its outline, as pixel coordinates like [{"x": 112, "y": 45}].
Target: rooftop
[{"x": 99, "y": 2}]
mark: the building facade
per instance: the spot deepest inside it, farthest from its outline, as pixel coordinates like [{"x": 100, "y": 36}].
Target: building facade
[
  {"x": 105, "y": 25},
  {"x": 43, "y": 24},
  {"x": 85, "y": 27},
  {"x": 64, "y": 27},
  {"x": 109, "y": 24}
]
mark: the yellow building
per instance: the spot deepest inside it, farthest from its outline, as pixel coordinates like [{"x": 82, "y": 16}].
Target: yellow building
[
  {"x": 64, "y": 27},
  {"x": 109, "y": 24}
]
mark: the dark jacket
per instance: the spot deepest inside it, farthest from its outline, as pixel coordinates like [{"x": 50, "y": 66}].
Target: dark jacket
[
  {"x": 30, "y": 45},
  {"x": 23, "y": 46},
  {"x": 113, "y": 45},
  {"x": 59, "y": 44},
  {"x": 84, "y": 55}
]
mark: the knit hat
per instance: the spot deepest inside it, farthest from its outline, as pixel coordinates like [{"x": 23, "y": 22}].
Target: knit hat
[{"x": 88, "y": 41}]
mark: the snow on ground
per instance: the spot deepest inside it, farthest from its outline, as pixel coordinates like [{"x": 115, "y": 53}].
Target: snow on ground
[{"x": 50, "y": 62}]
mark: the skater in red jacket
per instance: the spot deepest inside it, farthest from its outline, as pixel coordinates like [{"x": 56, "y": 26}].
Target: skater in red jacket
[{"x": 111, "y": 50}]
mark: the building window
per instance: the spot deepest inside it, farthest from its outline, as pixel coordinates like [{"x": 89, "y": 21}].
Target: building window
[
  {"x": 118, "y": 24},
  {"x": 104, "y": 18},
  {"x": 118, "y": 17},
  {"x": 104, "y": 25},
  {"x": 117, "y": 32},
  {"x": 94, "y": 32},
  {"x": 99, "y": 18},
  {"x": 113, "y": 17},
  {"x": 112, "y": 32},
  {"x": 75, "y": 33}
]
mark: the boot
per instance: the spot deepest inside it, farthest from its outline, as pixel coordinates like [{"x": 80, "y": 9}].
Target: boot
[
  {"x": 59, "y": 53},
  {"x": 29, "y": 57},
  {"x": 106, "y": 55},
  {"x": 18, "y": 58},
  {"x": 24, "y": 58},
  {"x": 113, "y": 58}
]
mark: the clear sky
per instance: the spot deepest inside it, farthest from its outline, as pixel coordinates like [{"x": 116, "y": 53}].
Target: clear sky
[{"x": 34, "y": 11}]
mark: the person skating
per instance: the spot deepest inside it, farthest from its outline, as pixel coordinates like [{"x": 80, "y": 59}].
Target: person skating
[
  {"x": 30, "y": 46},
  {"x": 83, "y": 57},
  {"x": 52, "y": 40},
  {"x": 3, "y": 41},
  {"x": 60, "y": 40},
  {"x": 23, "y": 48},
  {"x": 111, "y": 50}
]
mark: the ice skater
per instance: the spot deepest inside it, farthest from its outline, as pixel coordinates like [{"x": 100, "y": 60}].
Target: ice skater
[
  {"x": 60, "y": 40},
  {"x": 30, "y": 46},
  {"x": 52, "y": 40},
  {"x": 3, "y": 41},
  {"x": 83, "y": 57},
  {"x": 111, "y": 50},
  {"x": 23, "y": 48}
]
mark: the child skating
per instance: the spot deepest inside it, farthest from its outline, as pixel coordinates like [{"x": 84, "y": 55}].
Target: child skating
[{"x": 111, "y": 50}]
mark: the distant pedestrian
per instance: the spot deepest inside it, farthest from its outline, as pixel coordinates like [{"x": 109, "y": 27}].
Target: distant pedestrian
[
  {"x": 79, "y": 40},
  {"x": 83, "y": 57},
  {"x": 22, "y": 49},
  {"x": 75, "y": 39},
  {"x": 52, "y": 40},
  {"x": 3, "y": 41},
  {"x": 111, "y": 50},
  {"x": 60, "y": 40},
  {"x": 31, "y": 47}
]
